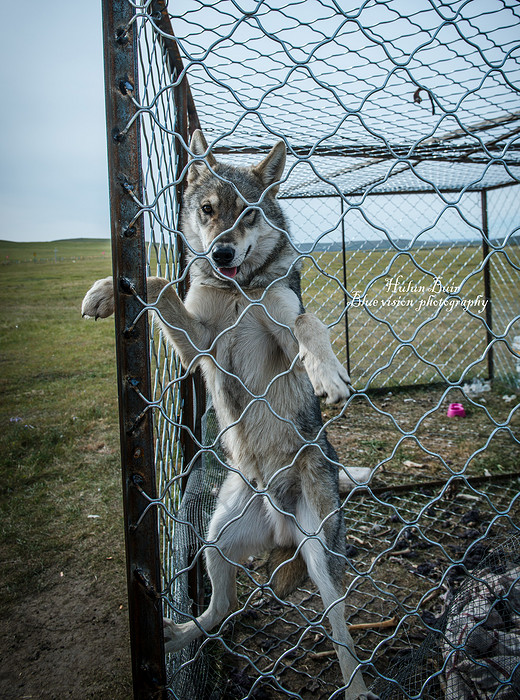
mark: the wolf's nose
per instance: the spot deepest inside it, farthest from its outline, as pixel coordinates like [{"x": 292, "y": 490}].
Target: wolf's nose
[{"x": 223, "y": 255}]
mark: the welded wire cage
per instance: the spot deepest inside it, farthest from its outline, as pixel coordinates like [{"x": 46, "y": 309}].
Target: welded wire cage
[{"x": 402, "y": 126}]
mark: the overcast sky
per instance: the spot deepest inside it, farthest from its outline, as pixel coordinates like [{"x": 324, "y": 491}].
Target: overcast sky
[{"x": 53, "y": 151}]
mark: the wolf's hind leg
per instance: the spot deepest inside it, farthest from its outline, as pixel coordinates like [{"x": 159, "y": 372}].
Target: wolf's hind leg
[
  {"x": 321, "y": 567},
  {"x": 238, "y": 529}
]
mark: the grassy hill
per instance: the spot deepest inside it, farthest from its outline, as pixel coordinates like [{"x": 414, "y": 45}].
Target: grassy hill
[{"x": 66, "y": 249}]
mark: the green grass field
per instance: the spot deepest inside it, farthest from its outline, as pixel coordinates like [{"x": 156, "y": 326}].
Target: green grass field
[
  {"x": 79, "y": 249},
  {"x": 59, "y": 441}
]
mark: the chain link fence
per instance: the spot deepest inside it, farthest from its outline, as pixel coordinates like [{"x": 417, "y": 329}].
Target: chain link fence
[
  {"x": 375, "y": 297},
  {"x": 401, "y": 123}
]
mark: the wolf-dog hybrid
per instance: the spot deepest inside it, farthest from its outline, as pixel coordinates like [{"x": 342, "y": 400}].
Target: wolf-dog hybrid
[{"x": 265, "y": 362}]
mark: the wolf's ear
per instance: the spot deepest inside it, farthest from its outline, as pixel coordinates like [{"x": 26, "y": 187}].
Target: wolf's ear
[
  {"x": 270, "y": 169},
  {"x": 199, "y": 146}
]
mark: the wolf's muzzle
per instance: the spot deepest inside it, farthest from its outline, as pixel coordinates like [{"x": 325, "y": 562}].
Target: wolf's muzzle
[{"x": 223, "y": 255}]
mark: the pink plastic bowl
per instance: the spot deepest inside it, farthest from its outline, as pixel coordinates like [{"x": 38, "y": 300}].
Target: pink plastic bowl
[{"x": 455, "y": 409}]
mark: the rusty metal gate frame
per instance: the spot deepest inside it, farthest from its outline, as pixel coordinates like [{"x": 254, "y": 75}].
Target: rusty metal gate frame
[{"x": 132, "y": 349}]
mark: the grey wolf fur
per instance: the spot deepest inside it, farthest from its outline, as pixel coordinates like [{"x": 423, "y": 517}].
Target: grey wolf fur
[{"x": 264, "y": 362}]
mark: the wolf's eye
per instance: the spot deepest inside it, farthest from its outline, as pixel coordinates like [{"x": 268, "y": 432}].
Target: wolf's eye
[
  {"x": 249, "y": 216},
  {"x": 207, "y": 209}
]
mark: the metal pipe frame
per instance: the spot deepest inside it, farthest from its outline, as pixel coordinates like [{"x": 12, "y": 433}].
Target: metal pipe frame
[
  {"x": 345, "y": 295},
  {"x": 487, "y": 284}
]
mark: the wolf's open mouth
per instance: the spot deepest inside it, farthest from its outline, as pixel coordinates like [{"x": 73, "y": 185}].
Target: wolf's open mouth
[{"x": 228, "y": 271}]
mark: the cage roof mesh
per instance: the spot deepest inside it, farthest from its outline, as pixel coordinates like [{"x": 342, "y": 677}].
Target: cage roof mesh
[{"x": 392, "y": 95}]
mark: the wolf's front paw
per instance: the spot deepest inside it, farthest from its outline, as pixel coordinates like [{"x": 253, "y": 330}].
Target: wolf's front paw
[
  {"x": 329, "y": 379},
  {"x": 99, "y": 300}
]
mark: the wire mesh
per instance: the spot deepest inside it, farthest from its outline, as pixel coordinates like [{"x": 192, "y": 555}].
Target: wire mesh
[
  {"x": 396, "y": 116},
  {"x": 416, "y": 289}
]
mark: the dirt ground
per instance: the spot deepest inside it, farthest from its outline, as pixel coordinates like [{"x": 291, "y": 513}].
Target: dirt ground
[{"x": 70, "y": 640}]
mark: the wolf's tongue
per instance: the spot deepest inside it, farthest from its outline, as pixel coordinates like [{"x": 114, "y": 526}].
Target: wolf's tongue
[{"x": 228, "y": 271}]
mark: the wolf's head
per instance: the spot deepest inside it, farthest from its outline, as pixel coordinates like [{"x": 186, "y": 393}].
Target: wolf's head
[{"x": 231, "y": 215}]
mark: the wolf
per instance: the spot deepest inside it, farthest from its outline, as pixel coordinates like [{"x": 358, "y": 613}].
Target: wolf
[{"x": 265, "y": 362}]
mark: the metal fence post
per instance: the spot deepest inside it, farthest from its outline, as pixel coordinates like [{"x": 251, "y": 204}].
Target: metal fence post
[
  {"x": 133, "y": 362},
  {"x": 345, "y": 295},
  {"x": 487, "y": 282}
]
